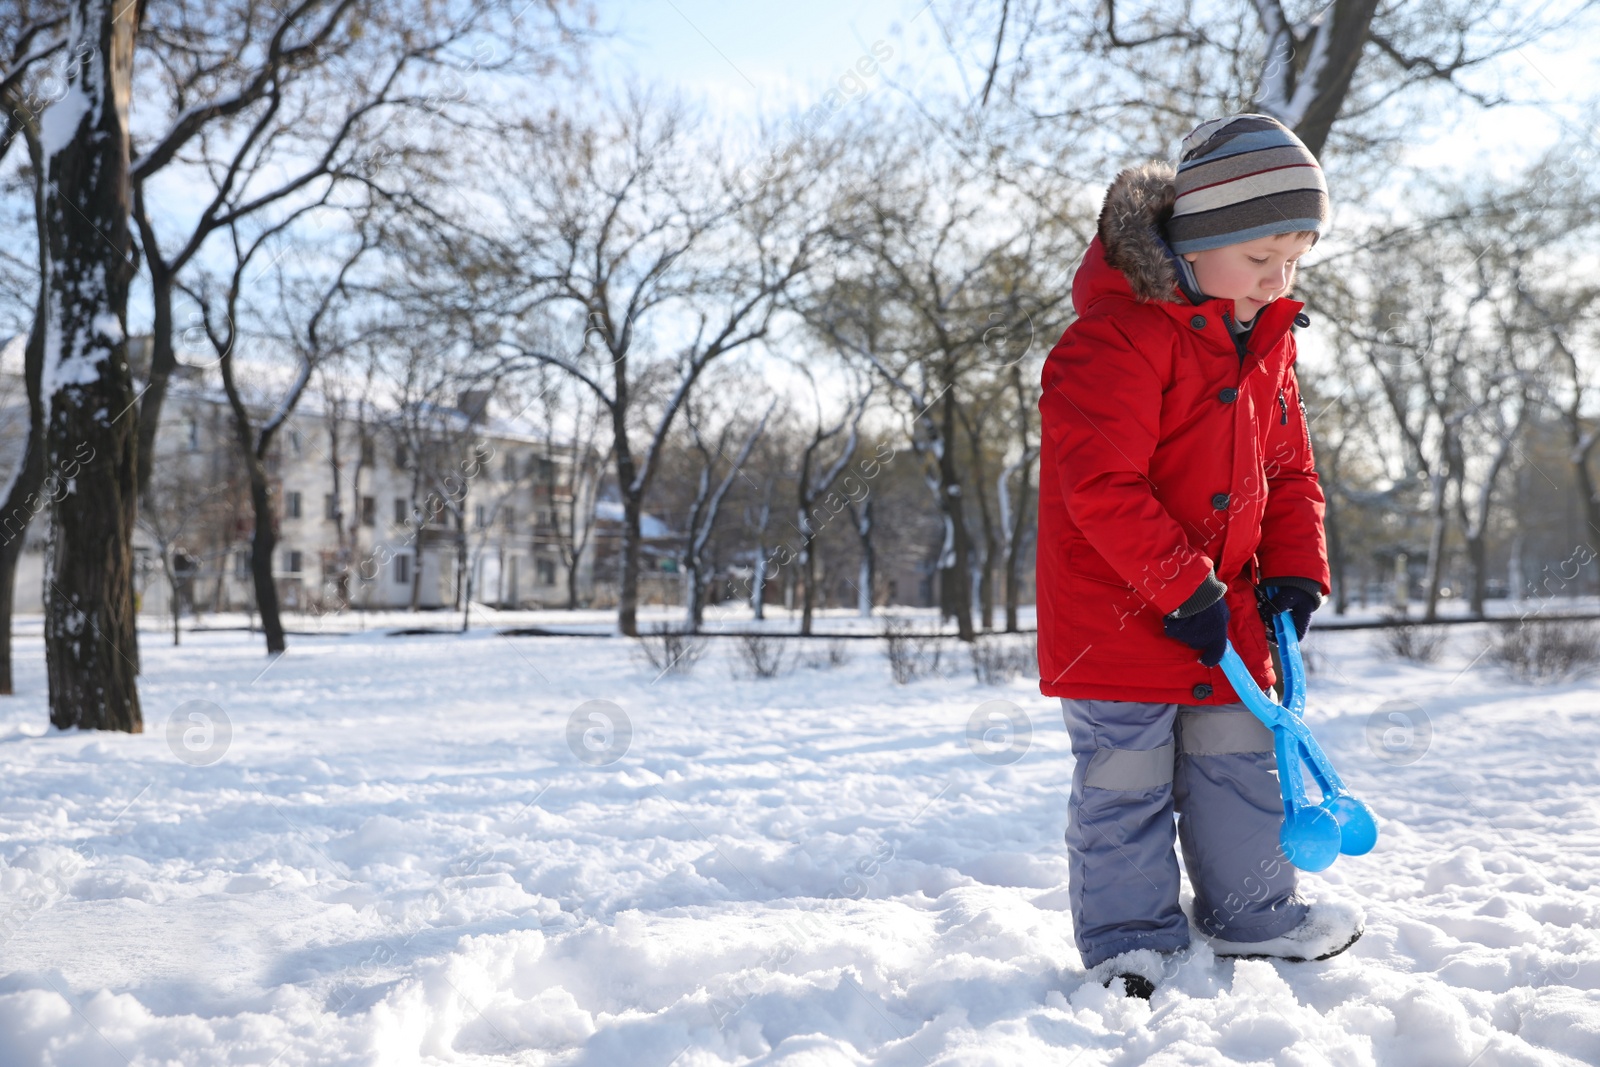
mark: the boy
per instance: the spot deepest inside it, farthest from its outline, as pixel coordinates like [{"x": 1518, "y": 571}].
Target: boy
[{"x": 1176, "y": 480}]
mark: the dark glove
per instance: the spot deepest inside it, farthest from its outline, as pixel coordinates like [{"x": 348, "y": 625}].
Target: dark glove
[
  {"x": 1298, "y": 596},
  {"x": 1206, "y": 631}
]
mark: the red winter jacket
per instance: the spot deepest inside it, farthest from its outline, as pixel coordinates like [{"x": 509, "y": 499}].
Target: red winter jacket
[{"x": 1166, "y": 457}]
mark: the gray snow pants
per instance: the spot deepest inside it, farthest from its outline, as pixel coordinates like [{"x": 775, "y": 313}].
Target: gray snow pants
[{"x": 1137, "y": 764}]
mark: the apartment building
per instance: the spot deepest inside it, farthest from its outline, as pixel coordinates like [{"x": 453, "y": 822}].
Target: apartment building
[{"x": 390, "y": 510}]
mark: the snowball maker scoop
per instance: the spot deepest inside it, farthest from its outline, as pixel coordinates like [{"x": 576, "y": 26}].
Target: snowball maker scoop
[{"x": 1313, "y": 835}]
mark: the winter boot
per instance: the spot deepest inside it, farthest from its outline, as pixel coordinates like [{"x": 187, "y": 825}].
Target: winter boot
[
  {"x": 1133, "y": 985},
  {"x": 1328, "y": 929},
  {"x": 1139, "y": 970}
]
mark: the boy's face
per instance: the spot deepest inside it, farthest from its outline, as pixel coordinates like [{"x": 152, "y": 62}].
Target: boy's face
[{"x": 1252, "y": 273}]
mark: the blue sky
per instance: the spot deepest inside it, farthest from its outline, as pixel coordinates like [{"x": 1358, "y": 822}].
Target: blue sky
[{"x": 749, "y": 58}]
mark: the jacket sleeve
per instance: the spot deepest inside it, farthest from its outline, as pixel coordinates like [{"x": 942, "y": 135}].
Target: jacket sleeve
[
  {"x": 1101, "y": 407},
  {"x": 1293, "y": 543}
]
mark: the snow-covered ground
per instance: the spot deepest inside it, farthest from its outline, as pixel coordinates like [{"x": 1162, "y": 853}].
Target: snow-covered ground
[{"x": 430, "y": 850}]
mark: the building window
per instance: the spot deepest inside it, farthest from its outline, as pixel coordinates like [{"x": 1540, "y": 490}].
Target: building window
[
  {"x": 547, "y": 571},
  {"x": 291, "y": 561},
  {"x": 479, "y": 516},
  {"x": 241, "y": 566},
  {"x": 402, "y": 456},
  {"x": 402, "y": 511},
  {"x": 402, "y": 570},
  {"x": 368, "y": 458},
  {"x": 369, "y": 511},
  {"x": 330, "y": 507},
  {"x": 544, "y": 469},
  {"x": 295, "y": 441},
  {"x": 511, "y": 467},
  {"x": 194, "y": 434},
  {"x": 291, "y": 504},
  {"x": 511, "y": 520}
]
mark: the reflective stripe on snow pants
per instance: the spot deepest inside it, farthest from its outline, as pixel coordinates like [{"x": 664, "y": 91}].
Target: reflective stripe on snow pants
[
  {"x": 1217, "y": 733},
  {"x": 1137, "y": 765},
  {"x": 1129, "y": 769}
]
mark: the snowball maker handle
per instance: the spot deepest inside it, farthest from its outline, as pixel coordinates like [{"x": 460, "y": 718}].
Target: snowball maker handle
[{"x": 1313, "y": 835}]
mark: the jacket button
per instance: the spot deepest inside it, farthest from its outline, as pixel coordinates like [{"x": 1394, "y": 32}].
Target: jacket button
[
  {"x": 1201, "y": 691},
  {"x": 1198, "y": 322},
  {"x": 1228, "y": 396},
  {"x": 1219, "y": 501}
]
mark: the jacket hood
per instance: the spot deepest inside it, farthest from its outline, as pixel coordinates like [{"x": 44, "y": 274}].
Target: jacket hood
[
  {"x": 1130, "y": 255},
  {"x": 1137, "y": 204}
]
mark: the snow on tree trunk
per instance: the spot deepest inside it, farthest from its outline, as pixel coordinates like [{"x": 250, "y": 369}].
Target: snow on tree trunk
[
  {"x": 758, "y": 588},
  {"x": 868, "y": 562},
  {"x": 91, "y": 651}
]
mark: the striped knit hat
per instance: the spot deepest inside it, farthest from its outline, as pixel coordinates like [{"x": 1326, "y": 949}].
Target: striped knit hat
[{"x": 1244, "y": 177}]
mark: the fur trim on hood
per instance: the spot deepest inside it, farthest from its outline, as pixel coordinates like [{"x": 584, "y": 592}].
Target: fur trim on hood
[
  {"x": 1138, "y": 202},
  {"x": 1132, "y": 231}
]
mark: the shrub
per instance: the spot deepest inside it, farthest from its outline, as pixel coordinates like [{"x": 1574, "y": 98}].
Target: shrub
[
  {"x": 912, "y": 654},
  {"x": 1546, "y": 650},
  {"x": 838, "y": 652},
  {"x": 997, "y": 659},
  {"x": 1415, "y": 641},
  {"x": 672, "y": 651},
  {"x": 763, "y": 655}
]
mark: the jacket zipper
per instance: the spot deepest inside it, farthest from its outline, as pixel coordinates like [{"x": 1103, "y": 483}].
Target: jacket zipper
[
  {"x": 1244, "y": 349},
  {"x": 1283, "y": 405}
]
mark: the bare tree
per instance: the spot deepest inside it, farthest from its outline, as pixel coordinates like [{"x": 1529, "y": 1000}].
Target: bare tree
[
  {"x": 617, "y": 223},
  {"x": 867, "y": 572},
  {"x": 815, "y": 479},
  {"x": 178, "y": 507},
  {"x": 1314, "y": 66},
  {"x": 316, "y": 307},
  {"x": 758, "y": 517},
  {"x": 1016, "y": 512},
  {"x": 22, "y": 498},
  {"x": 944, "y": 256},
  {"x": 275, "y": 102},
  {"x": 90, "y": 633},
  {"x": 707, "y": 503}
]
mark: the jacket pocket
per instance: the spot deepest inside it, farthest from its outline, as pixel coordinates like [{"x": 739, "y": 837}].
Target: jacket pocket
[{"x": 1084, "y": 562}]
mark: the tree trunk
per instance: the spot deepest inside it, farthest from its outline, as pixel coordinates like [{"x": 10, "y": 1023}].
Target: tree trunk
[
  {"x": 463, "y": 599},
  {"x": 162, "y": 360},
  {"x": 1478, "y": 555},
  {"x": 22, "y": 503},
  {"x": 419, "y": 521},
  {"x": 628, "y": 586},
  {"x": 91, "y": 636},
  {"x": 694, "y": 602},
  {"x": 758, "y": 584},
  {"x": 1019, "y": 520},
  {"x": 262, "y": 543},
  {"x": 172, "y": 584},
  {"x": 1587, "y": 497},
  {"x": 954, "y": 560},
  {"x": 869, "y": 560},
  {"x": 1326, "y": 57},
  {"x": 1434, "y": 576},
  {"x": 1336, "y": 561},
  {"x": 991, "y": 549},
  {"x": 808, "y": 568},
  {"x": 464, "y": 575}
]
